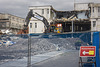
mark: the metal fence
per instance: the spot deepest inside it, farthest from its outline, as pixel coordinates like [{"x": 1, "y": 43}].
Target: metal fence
[
  {"x": 19, "y": 50},
  {"x": 12, "y": 47}
]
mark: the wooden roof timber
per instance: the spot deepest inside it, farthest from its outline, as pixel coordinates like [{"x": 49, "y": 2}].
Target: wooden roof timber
[{"x": 75, "y": 20}]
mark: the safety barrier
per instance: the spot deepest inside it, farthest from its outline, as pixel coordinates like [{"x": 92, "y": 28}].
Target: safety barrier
[
  {"x": 24, "y": 47},
  {"x": 96, "y": 39}
]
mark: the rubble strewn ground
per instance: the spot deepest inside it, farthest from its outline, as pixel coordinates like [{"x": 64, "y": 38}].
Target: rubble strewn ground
[{"x": 38, "y": 46}]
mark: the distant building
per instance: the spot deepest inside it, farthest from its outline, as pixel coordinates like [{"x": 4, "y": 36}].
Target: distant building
[{"x": 11, "y": 23}]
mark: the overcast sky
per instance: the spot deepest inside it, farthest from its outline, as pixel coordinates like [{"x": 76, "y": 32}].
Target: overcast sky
[{"x": 20, "y": 7}]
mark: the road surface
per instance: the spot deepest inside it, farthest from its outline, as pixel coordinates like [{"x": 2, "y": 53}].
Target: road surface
[{"x": 68, "y": 59}]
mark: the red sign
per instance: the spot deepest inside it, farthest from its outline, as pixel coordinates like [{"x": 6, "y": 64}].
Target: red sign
[
  {"x": 87, "y": 51},
  {"x": 59, "y": 25}
]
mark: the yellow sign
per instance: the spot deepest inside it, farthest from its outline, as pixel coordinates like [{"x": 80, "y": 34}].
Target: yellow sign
[{"x": 91, "y": 52}]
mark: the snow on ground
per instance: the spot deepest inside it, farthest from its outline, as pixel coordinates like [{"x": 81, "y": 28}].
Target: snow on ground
[{"x": 38, "y": 46}]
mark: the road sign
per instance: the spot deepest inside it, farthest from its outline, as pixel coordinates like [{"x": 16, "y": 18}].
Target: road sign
[{"x": 87, "y": 51}]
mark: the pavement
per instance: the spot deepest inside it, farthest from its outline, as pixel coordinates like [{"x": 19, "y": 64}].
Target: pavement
[
  {"x": 68, "y": 59},
  {"x": 34, "y": 59}
]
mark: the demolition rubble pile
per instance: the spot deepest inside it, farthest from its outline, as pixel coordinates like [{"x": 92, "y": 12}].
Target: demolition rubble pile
[{"x": 19, "y": 48}]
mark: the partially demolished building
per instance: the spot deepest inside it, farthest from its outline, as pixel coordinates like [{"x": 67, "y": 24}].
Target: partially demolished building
[
  {"x": 11, "y": 23},
  {"x": 84, "y": 17},
  {"x": 93, "y": 14},
  {"x": 78, "y": 18}
]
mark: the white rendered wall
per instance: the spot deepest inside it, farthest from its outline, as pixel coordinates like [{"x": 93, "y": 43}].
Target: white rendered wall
[
  {"x": 81, "y": 6},
  {"x": 40, "y": 25},
  {"x": 38, "y": 29}
]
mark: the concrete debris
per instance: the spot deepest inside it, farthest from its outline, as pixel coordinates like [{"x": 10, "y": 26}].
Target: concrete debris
[{"x": 19, "y": 48}]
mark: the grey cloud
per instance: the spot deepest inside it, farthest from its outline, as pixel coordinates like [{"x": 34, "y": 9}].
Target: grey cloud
[{"x": 20, "y": 7}]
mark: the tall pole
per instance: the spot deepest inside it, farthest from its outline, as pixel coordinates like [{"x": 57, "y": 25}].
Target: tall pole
[
  {"x": 74, "y": 4},
  {"x": 29, "y": 52},
  {"x": 72, "y": 28}
]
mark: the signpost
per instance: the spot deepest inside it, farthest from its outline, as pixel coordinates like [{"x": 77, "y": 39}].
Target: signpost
[{"x": 87, "y": 51}]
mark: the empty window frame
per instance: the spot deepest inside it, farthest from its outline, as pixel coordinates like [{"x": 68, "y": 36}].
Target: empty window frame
[
  {"x": 35, "y": 25},
  {"x": 93, "y": 9},
  {"x": 98, "y": 9},
  {"x": 47, "y": 11},
  {"x": 94, "y": 23},
  {"x": 42, "y": 11},
  {"x": 3, "y": 24},
  {"x": 13, "y": 18},
  {"x": 30, "y": 25}
]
